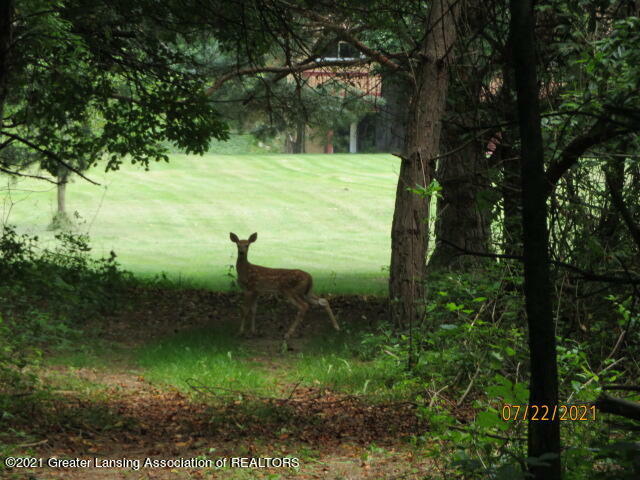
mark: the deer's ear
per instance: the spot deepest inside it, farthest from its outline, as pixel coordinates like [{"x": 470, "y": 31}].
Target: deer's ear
[
  {"x": 234, "y": 237},
  {"x": 253, "y": 237}
]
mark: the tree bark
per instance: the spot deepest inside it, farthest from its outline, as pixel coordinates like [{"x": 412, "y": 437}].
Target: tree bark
[
  {"x": 391, "y": 120},
  {"x": 298, "y": 145},
  {"x": 353, "y": 137},
  {"x": 62, "y": 191},
  {"x": 543, "y": 437},
  {"x": 618, "y": 406},
  {"x": 608, "y": 228},
  {"x": 6, "y": 37},
  {"x": 409, "y": 233},
  {"x": 461, "y": 221}
]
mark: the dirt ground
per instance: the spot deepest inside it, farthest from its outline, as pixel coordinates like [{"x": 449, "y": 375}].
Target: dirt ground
[{"x": 324, "y": 434}]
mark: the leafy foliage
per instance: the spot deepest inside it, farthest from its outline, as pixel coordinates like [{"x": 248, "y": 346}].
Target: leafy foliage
[
  {"x": 87, "y": 80},
  {"x": 47, "y": 295}
]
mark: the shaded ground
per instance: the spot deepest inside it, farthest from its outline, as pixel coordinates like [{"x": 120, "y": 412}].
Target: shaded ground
[{"x": 115, "y": 413}]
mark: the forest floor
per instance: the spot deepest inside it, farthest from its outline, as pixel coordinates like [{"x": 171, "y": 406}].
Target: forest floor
[{"x": 112, "y": 412}]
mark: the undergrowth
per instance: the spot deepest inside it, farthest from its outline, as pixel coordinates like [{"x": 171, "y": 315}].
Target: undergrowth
[
  {"x": 469, "y": 358},
  {"x": 46, "y": 297}
]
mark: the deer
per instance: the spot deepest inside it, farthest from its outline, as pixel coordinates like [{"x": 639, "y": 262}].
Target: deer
[{"x": 294, "y": 285}]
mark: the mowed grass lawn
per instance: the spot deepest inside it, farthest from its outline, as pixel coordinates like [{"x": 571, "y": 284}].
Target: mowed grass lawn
[{"x": 327, "y": 214}]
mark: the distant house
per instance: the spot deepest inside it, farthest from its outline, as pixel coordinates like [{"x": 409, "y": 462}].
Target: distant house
[{"x": 356, "y": 77}]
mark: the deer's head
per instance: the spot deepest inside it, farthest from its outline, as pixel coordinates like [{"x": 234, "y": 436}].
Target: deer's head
[{"x": 243, "y": 245}]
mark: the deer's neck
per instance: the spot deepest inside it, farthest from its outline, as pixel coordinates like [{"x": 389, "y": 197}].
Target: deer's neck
[{"x": 242, "y": 268}]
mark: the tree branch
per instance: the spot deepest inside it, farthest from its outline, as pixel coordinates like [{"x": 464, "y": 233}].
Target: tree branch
[
  {"x": 346, "y": 35},
  {"x": 300, "y": 67},
  {"x": 618, "y": 406},
  {"x": 585, "y": 274},
  {"x": 18, "y": 174},
  {"x": 52, "y": 155},
  {"x": 599, "y": 132},
  {"x": 618, "y": 202}
]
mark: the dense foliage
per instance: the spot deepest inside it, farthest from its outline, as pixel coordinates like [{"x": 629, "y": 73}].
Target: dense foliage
[
  {"x": 47, "y": 296},
  {"x": 87, "y": 81}
]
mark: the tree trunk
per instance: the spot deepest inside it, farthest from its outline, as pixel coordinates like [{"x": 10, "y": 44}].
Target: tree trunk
[
  {"x": 391, "y": 120},
  {"x": 462, "y": 223},
  {"x": 6, "y": 38},
  {"x": 328, "y": 148},
  {"x": 608, "y": 228},
  {"x": 62, "y": 191},
  {"x": 511, "y": 196},
  {"x": 353, "y": 137},
  {"x": 543, "y": 437},
  {"x": 60, "y": 220},
  {"x": 298, "y": 145},
  {"x": 409, "y": 233}
]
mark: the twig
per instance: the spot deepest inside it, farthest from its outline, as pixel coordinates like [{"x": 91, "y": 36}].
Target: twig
[
  {"x": 294, "y": 390},
  {"x": 435, "y": 395},
  {"x": 33, "y": 444},
  {"x": 18, "y": 174},
  {"x": 466, "y": 392},
  {"x": 597, "y": 375}
]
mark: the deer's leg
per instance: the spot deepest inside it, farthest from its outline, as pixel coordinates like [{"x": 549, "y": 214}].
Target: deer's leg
[
  {"x": 303, "y": 306},
  {"x": 253, "y": 307},
  {"x": 327, "y": 307},
  {"x": 324, "y": 303},
  {"x": 249, "y": 301}
]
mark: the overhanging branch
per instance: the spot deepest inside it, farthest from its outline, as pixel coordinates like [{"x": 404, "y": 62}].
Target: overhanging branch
[
  {"x": 599, "y": 132},
  {"x": 48, "y": 153},
  {"x": 300, "y": 67},
  {"x": 584, "y": 274}
]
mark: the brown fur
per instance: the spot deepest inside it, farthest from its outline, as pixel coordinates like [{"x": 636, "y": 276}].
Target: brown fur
[{"x": 294, "y": 285}]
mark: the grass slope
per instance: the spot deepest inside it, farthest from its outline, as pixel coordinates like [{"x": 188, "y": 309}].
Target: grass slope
[{"x": 328, "y": 214}]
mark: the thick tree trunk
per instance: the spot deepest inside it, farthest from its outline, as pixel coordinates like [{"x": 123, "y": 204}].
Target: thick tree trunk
[
  {"x": 6, "y": 35},
  {"x": 462, "y": 223},
  {"x": 543, "y": 437},
  {"x": 409, "y": 233},
  {"x": 391, "y": 120}
]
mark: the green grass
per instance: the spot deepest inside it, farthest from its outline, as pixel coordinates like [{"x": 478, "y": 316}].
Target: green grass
[
  {"x": 350, "y": 375},
  {"x": 213, "y": 357},
  {"x": 91, "y": 352},
  {"x": 333, "y": 361},
  {"x": 203, "y": 357},
  {"x": 328, "y": 214}
]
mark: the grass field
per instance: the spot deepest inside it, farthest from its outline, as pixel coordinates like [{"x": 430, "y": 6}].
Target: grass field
[{"x": 327, "y": 214}]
